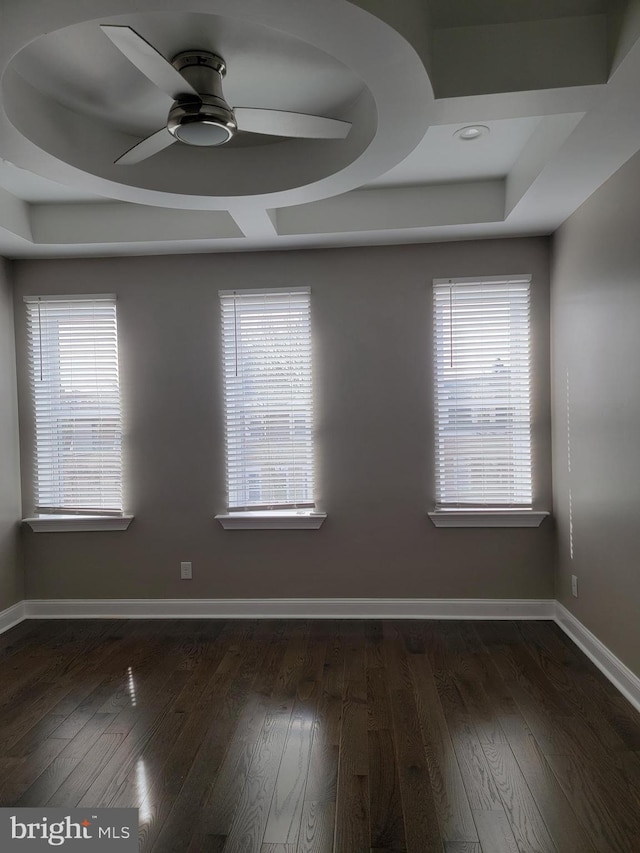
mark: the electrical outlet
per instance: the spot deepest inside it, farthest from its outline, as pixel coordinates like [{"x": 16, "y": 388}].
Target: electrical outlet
[
  {"x": 185, "y": 571},
  {"x": 574, "y": 585}
]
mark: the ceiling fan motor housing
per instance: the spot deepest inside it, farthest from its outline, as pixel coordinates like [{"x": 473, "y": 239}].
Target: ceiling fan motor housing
[{"x": 207, "y": 120}]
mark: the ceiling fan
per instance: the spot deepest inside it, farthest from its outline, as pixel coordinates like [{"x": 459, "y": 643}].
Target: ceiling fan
[{"x": 200, "y": 114}]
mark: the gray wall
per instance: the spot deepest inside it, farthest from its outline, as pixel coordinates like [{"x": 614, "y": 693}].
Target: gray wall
[
  {"x": 11, "y": 573},
  {"x": 596, "y": 411},
  {"x": 371, "y": 314}
]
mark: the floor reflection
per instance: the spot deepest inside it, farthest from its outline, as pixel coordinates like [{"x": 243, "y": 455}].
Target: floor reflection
[
  {"x": 131, "y": 686},
  {"x": 142, "y": 782}
]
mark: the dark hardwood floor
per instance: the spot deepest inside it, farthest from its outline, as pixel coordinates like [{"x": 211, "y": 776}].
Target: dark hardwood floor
[{"x": 323, "y": 737}]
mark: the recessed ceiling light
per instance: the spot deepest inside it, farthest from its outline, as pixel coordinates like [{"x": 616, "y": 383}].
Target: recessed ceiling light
[{"x": 472, "y": 131}]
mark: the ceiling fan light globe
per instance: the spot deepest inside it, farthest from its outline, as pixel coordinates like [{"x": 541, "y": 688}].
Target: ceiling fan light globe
[
  {"x": 203, "y": 132},
  {"x": 205, "y": 123}
]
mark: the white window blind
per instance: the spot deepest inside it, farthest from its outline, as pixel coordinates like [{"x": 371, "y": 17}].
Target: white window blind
[
  {"x": 266, "y": 339},
  {"x": 73, "y": 348},
  {"x": 482, "y": 393}
]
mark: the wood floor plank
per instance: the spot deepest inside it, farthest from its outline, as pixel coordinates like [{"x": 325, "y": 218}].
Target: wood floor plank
[
  {"x": 483, "y": 689},
  {"x": 586, "y": 731},
  {"x": 352, "y": 805},
  {"x": 494, "y": 831},
  {"x": 569, "y": 680},
  {"x": 50, "y": 663},
  {"x": 552, "y": 803},
  {"x": 610, "y": 821},
  {"x": 319, "y": 808},
  {"x": 180, "y": 754},
  {"x": 211, "y": 729},
  {"x": 251, "y": 816},
  {"x": 373, "y": 638},
  {"x": 210, "y": 844},
  {"x": 232, "y": 776},
  {"x": 22, "y": 679},
  {"x": 47, "y": 783},
  {"x": 477, "y": 780},
  {"x": 308, "y": 687},
  {"x": 285, "y": 814},
  {"x": 323, "y": 764},
  {"x": 629, "y": 765},
  {"x": 548, "y": 729},
  {"x": 97, "y": 686},
  {"x": 352, "y": 815},
  {"x": 489, "y": 816},
  {"x": 386, "y": 822},
  {"x": 250, "y": 819},
  {"x": 289, "y": 673},
  {"x": 614, "y": 720},
  {"x": 153, "y": 724},
  {"x": 74, "y": 786},
  {"x": 89, "y": 698},
  {"x": 346, "y": 736},
  {"x": 38, "y": 733},
  {"x": 411, "y": 631},
  {"x": 30, "y": 632},
  {"x": 452, "y": 805},
  {"x": 529, "y": 828},
  {"x": 129, "y": 785},
  {"x": 234, "y": 770},
  {"x": 379, "y": 714},
  {"x": 395, "y": 658},
  {"x": 317, "y": 827},
  {"x": 26, "y": 770},
  {"x": 623, "y": 717},
  {"x": 24, "y": 662},
  {"x": 518, "y": 667},
  {"x": 420, "y": 817},
  {"x": 41, "y": 703}
]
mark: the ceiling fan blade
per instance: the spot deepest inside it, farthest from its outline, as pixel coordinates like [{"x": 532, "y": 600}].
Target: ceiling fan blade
[
  {"x": 147, "y": 148},
  {"x": 282, "y": 123},
  {"x": 147, "y": 59}
]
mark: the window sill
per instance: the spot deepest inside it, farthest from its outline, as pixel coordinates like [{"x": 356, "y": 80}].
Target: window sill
[
  {"x": 77, "y": 523},
  {"x": 282, "y": 519},
  {"x": 487, "y": 517}
]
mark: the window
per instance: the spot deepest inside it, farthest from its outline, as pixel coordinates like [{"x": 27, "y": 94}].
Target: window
[
  {"x": 482, "y": 393},
  {"x": 73, "y": 349},
  {"x": 266, "y": 336}
]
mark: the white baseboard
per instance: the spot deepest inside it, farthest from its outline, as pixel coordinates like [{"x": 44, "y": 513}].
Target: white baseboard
[
  {"x": 12, "y": 616},
  {"x": 291, "y": 608},
  {"x": 618, "y": 674}
]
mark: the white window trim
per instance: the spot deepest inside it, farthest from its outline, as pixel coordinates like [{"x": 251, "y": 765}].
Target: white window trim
[
  {"x": 277, "y": 519},
  {"x": 487, "y": 517},
  {"x": 77, "y": 523}
]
